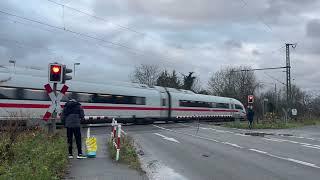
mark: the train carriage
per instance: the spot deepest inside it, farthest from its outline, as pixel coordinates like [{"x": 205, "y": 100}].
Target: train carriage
[{"x": 23, "y": 95}]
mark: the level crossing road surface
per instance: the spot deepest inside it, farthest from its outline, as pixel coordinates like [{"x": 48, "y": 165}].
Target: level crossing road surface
[{"x": 188, "y": 151}]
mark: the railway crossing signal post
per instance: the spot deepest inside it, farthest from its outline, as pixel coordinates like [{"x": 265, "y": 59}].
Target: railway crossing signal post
[{"x": 58, "y": 73}]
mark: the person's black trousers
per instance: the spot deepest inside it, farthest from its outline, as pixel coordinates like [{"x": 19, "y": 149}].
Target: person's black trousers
[{"x": 77, "y": 134}]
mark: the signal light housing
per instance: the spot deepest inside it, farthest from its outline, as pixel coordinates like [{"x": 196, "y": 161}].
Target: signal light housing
[
  {"x": 55, "y": 73},
  {"x": 250, "y": 99},
  {"x": 58, "y": 73},
  {"x": 65, "y": 76}
]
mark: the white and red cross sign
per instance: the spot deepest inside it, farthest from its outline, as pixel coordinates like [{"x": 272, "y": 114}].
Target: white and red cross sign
[{"x": 55, "y": 99}]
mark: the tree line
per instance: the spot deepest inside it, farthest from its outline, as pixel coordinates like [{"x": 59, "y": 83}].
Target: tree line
[{"x": 234, "y": 83}]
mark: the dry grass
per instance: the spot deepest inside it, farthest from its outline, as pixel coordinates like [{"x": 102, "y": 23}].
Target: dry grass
[{"x": 128, "y": 153}]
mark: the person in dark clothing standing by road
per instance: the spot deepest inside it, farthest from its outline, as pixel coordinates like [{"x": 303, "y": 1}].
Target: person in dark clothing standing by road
[
  {"x": 71, "y": 117},
  {"x": 250, "y": 115}
]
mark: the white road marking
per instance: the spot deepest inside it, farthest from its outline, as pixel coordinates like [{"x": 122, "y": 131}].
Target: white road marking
[
  {"x": 271, "y": 139},
  {"x": 200, "y": 137},
  {"x": 314, "y": 147},
  {"x": 167, "y": 138},
  {"x": 231, "y": 144},
  {"x": 303, "y": 163},
  {"x": 287, "y": 159},
  {"x": 258, "y": 151}
]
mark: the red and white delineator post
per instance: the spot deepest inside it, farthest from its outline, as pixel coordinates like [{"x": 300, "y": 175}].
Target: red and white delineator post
[{"x": 116, "y": 136}]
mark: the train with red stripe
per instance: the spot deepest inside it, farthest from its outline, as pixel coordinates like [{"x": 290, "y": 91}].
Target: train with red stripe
[{"x": 22, "y": 95}]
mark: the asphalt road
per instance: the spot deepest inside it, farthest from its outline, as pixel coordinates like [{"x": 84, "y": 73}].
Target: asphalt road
[{"x": 184, "y": 151}]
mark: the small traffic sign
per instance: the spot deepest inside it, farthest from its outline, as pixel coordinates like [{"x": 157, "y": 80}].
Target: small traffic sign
[{"x": 294, "y": 112}]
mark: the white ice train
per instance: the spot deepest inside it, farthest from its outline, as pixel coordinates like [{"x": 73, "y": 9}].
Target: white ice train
[{"x": 128, "y": 102}]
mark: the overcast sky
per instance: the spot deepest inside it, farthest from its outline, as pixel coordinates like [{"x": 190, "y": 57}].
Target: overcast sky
[{"x": 187, "y": 35}]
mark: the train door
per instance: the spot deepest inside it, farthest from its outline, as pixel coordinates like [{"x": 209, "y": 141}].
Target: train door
[{"x": 164, "y": 104}]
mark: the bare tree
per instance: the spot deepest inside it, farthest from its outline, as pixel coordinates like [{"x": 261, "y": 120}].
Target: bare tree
[
  {"x": 231, "y": 82},
  {"x": 146, "y": 74},
  {"x": 197, "y": 86}
]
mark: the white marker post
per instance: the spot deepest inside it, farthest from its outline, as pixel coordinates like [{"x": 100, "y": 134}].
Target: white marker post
[
  {"x": 118, "y": 142},
  {"x": 88, "y": 132}
]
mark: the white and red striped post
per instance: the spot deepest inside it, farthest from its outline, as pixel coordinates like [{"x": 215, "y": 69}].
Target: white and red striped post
[
  {"x": 118, "y": 142},
  {"x": 114, "y": 128}
]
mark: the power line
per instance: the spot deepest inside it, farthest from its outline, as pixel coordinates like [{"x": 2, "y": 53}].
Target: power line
[
  {"x": 262, "y": 20},
  {"x": 260, "y": 69},
  {"x": 129, "y": 49},
  {"x": 274, "y": 78},
  {"x": 125, "y": 28},
  {"x": 96, "y": 17},
  {"x": 21, "y": 45}
]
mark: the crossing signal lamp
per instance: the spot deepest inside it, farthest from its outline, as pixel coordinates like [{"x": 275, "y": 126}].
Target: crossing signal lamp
[
  {"x": 55, "y": 73},
  {"x": 66, "y": 77},
  {"x": 58, "y": 73},
  {"x": 250, "y": 99}
]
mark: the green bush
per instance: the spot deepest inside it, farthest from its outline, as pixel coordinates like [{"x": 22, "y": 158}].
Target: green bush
[
  {"x": 34, "y": 155},
  {"x": 128, "y": 154}
]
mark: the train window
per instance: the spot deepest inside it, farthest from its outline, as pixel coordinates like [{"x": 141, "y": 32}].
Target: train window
[
  {"x": 34, "y": 94},
  {"x": 140, "y": 100},
  {"x": 238, "y": 107},
  {"x": 102, "y": 98},
  {"x": 7, "y": 93},
  {"x": 185, "y": 103},
  {"x": 117, "y": 99},
  {"x": 123, "y": 100},
  {"x": 164, "y": 102},
  {"x": 223, "y": 105},
  {"x": 84, "y": 97},
  {"x": 213, "y": 105}
]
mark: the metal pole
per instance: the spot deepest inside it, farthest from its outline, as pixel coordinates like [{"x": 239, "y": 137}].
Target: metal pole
[
  {"x": 52, "y": 125},
  {"x": 288, "y": 74}
]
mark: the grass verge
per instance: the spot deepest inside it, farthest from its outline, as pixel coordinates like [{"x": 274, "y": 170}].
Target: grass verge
[
  {"x": 32, "y": 155},
  {"x": 273, "y": 125},
  {"x": 128, "y": 153}
]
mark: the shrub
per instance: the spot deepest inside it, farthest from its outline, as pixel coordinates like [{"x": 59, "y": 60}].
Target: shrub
[{"x": 33, "y": 155}]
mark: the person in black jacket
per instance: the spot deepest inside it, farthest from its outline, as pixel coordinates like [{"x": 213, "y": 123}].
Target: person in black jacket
[
  {"x": 71, "y": 117},
  {"x": 250, "y": 115}
]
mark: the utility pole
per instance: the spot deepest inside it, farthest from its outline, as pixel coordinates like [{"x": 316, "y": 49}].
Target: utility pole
[{"x": 288, "y": 76}]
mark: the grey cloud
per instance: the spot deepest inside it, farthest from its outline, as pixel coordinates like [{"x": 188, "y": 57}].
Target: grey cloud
[
  {"x": 255, "y": 52},
  {"x": 313, "y": 28},
  {"x": 233, "y": 44},
  {"x": 193, "y": 36}
]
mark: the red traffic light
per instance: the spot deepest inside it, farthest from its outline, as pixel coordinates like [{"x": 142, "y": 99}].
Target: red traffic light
[
  {"x": 55, "y": 73},
  {"x": 56, "y": 69},
  {"x": 250, "y": 99}
]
